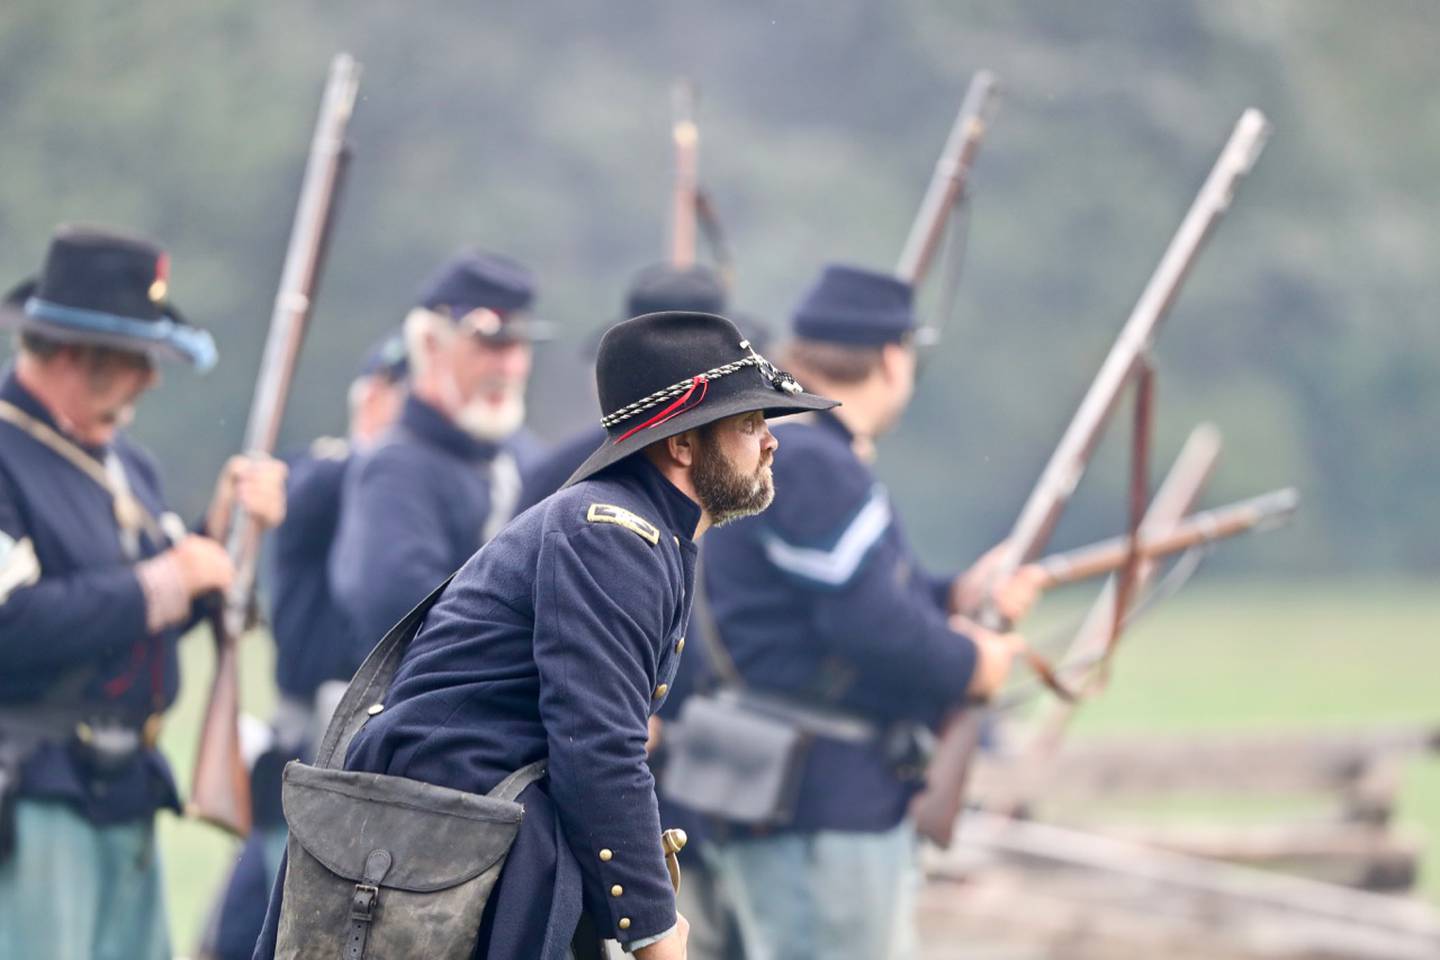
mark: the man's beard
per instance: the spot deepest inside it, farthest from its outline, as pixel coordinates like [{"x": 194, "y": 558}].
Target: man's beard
[
  {"x": 481, "y": 418},
  {"x": 725, "y": 493},
  {"x": 488, "y": 421}
]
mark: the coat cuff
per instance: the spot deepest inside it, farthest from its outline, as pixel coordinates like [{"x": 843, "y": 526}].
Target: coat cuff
[
  {"x": 167, "y": 602},
  {"x": 644, "y": 942}
]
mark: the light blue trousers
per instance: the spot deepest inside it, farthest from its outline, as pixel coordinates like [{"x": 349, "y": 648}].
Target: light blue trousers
[
  {"x": 75, "y": 891},
  {"x": 842, "y": 896}
]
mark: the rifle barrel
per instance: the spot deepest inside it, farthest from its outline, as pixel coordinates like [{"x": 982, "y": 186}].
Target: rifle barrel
[
  {"x": 686, "y": 134},
  {"x": 947, "y": 183},
  {"x": 1067, "y": 464},
  {"x": 936, "y": 808}
]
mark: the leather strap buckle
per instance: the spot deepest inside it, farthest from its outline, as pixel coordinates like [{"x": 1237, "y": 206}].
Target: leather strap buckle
[{"x": 362, "y": 902}]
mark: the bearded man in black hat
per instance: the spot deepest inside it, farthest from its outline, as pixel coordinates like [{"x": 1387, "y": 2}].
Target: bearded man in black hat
[
  {"x": 657, "y": 288},
  {"x": 446, "y": 477},
  {"x": 556, "y": 642},
  {"x": 97, "y": 582}
]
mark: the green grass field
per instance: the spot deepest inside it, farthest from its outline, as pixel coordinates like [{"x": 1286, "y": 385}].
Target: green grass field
[{"x": 1233, "y": 657}]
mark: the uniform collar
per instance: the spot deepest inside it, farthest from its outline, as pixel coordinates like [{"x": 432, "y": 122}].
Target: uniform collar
[
  {"x": 432, "y": 426},
  {"x": 677, "y": 511},
  {"x": 14, "y": 392}
]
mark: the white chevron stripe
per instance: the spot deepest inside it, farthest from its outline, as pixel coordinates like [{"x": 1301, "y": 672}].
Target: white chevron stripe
[
  {"x": 836, "y": 566},
  {"x": 18, "y": 565}
]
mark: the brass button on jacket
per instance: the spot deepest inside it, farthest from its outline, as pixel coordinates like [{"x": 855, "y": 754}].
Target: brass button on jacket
[
  {"x": 661, "y": 690},
  {"x": 605, "y": 855},
  {"x": 616, "y": 890},
  {"x": 680, "y": 645},
  {"x": 624, "y": 923}
]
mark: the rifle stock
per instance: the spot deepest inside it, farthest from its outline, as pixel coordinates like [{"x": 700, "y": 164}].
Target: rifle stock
[
  {"x": 947, "y": 183},
  {"x": 220, "y": 790},
  {"x": 937, "y": 807}
]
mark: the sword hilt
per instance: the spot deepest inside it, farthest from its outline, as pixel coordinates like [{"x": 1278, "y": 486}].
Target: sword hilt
[{"x": 672, "y": 842}]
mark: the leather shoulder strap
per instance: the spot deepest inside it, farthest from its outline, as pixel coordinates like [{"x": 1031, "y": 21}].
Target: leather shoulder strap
[
  {"x": 511, "y": 786},
  {"x": 371, "y": 681},
  {"x": 130, "y": 513}
]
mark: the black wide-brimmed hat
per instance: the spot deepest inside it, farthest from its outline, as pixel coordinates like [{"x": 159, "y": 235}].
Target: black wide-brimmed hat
[
  {"x": 111, "y": 290},
  {"x": 488, "y": 293},
  {"x": 664, "y": 373}
]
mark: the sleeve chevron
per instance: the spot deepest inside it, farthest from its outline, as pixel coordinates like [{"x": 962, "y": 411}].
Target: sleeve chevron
[{"x": 834, "y": 567}]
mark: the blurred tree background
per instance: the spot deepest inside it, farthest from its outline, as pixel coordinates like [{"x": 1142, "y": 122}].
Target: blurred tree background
[{"x": 1308, "y": 331}]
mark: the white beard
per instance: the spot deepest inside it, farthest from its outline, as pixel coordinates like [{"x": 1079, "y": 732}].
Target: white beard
[
  {"x": 490, "y": 422},
  {"x": 481, "y": 419}
]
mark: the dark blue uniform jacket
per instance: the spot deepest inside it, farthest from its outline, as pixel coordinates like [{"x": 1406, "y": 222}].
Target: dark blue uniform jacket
[
  {"x": 821, "y": 597},
  {"x": 543, "y": 478},
  {"x": 83, "y": 621},
  {"x": 314, "y": 640},
  {"x": 557, "y": 640},
  {"x": 414, "y": 509}
]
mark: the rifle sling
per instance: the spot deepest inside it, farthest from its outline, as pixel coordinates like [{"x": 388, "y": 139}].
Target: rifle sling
[{"x": 130, "y": 513}]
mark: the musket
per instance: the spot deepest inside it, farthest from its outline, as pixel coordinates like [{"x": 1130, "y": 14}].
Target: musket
[
  {"x": 1196, "y": 530},
  {"x": 714, "y": 233},
  {"x": 947, "y": 183},
  {"x": 936, "y": 809},
  {"x": 220, "y": 791},
  {"x": 1094, "y": 641},
  {"x": 1091, "y": 648},
  {"x": 687, "y": 172}
]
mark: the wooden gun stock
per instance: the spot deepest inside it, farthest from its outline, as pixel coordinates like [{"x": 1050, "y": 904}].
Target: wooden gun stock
[
  {"x": 1198, "y": 529},
  {"x": 937, "y": 807},
  {"x": 220, "y": 788},
  {"x": 220, "y": 791},
  {"x": 947, "y": 183}
]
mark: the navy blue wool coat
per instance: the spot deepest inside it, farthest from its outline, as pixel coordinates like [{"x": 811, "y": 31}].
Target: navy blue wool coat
[
  {"x": 75, "y": 614},
  {"x": 414, "y": 509},
  {"x": 558, "y": 639}
]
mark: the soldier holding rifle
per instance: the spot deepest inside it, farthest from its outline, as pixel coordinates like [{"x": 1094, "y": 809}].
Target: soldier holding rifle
[
  {"x": 97, "y": 582},
  {"x": 820, "y": 602}
]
